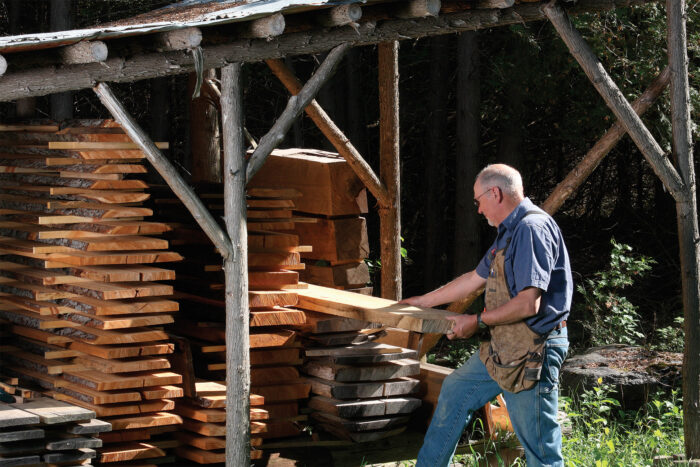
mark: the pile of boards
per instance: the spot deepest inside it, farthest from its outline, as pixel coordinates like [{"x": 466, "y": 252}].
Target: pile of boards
[
  {"x": 362, "y": 389},
  {"x": 275, "y": 352},
  {"x": 79, "y": 276},
  {"x": 333, "y": 196},
  {"x": 48, "y": 432}
]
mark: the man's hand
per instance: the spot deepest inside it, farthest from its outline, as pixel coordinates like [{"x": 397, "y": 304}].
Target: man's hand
[{"x": 464, "y": 326}]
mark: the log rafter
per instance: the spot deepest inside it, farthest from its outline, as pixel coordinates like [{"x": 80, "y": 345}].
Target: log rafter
[
  {"x": 43, "y": 80},
  {"x": 615, "y": 100},
  {"x": 296, "y": 104},
  {"x": 166, "y": 169},
  {"x": 334, "y": 134}
]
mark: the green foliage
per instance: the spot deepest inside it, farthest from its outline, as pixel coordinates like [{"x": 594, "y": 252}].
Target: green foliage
[
  {"x": 671, "y": 338},
  {"x": 603, "y": 435},
  {"x": 609, "y": 316},
  {"x": 454, "y": 353}
]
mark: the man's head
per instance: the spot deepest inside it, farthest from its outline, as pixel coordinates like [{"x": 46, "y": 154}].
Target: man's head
[{"x": 497, "y": 191}]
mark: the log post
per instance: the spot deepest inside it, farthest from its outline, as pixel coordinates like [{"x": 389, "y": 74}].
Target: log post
[
  {"x": 331, "y": 131},
  {"x": 295, "y": 106},
  {"x": 166, "y": 170},
  {"x": 389, "y": 169},
  {"x": 614, "y": 98},
  {"x": 602, "y": 147},
  {"x": 687, "y": 215},
  {"x": 236, "y": 270}
]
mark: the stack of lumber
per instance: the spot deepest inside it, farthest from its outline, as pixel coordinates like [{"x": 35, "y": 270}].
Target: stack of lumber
[
  {"x": 332, "y": 194},
  {"x": 79, "y": 280},
  {"x": 203, "y": 434},
  {"x": 48, "y": 432},
  {"x": 274, "y": 264},
  {"x": 361, "y": 389}
]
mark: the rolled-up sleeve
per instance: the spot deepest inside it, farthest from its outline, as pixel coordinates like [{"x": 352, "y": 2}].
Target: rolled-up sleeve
[{"x": 533, "y": 257}]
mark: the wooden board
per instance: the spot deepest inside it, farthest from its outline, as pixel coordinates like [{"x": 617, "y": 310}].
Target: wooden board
[
  {"x": 344, "y": 275},
  {"x": 318, "y": 323},
  {"x": 376, "y": 372},
  {"x": 343, "y": 239},
  {"x": 364, "y": 408},
  {"x": 51, "y": 411},
  {"x": 123, "y": 365},
  {"x": 273, "y": 375},
  {"x": 15, "y": 416},
  {"x": 118, "y": 322},
  {"x": 277, "y": 317},
  {"x": 131, "y": 451},
  {"x": 122, "y": 273},
  {"x": 114, "y": 336},
  {"x": 339, "y": 390},
  {"x": 106, "y": 382},
  {"x": 287, "y": 392},
  {"x": 145, "y": 421},
  {"x": 374, "y": 309},
  {"x": 93, "y": 426},
  {"x": 377, "y": 423},
  {"x": 272, "y": 280},
  {"x": 92, "y": 306},
  {"x": 122, "y": 351},
  {"x": 109, "y": 410},
  {"x": 284, "y": 355},
  {"x": 271, "y": 298},
  {"x": 113, "y": 291}
]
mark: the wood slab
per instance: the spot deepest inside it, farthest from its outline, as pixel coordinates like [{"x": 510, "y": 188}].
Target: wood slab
[
  {"x": 377, "y": 423},
  {"x": 277, "y": 317},
  {"x": 106, "y": 382},
  {"x": 339, "y": 390},
  {"x": 15, "y": 416},
  {"x": 51, "y": 412},
  {"x": 122, "y": 351},
  {"x": 364, "y": 408},
  {"x": 93, "y": 306},
  {"x": 91, "y": 427},
  {"x": 376, "y": 372},
  {"x": 285, "y": 392},
  {"x": 118, "y": 322},
  {"x": 271, "y": 298},
  {"x": 145, "y": 421},
  {"x": 374, "y": 309}
]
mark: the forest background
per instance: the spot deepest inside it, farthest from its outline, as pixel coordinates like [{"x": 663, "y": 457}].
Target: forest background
[{"x": 512, "y": 94}]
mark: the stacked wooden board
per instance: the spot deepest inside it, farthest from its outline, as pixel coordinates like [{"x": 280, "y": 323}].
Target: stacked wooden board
[
  {"x": 275, "y": 353},
  {"x": 203, "y": 433},
  {"x": 81, "y": 281},
  {"x": 362, "y": 389},
  {"x": 48, "y": 432},
  {"x": 332, "y": 195}
]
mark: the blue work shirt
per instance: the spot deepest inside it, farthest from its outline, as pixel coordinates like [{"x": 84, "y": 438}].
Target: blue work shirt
[{"x": 536, "y": 257}]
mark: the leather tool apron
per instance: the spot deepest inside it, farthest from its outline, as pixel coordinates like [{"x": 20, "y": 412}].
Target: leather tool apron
[{"x": 513, "y": 356}]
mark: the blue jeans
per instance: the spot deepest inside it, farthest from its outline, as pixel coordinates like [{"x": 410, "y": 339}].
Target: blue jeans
[{"x": 532, "y": 412}]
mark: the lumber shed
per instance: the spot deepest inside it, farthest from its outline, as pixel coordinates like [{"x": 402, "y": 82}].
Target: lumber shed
[{"x": 76, "y": 176}]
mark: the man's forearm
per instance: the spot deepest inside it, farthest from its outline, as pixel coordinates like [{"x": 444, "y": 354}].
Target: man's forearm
[
  {"x": 522, "y": 306},
  {"x": 457, "y": 289}
]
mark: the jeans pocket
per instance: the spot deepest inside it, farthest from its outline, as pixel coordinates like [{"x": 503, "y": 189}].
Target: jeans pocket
[{"x": 555, "y": 353}]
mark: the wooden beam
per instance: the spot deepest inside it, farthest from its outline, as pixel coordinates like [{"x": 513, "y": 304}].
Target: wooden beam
[
  {"x": 614, "y": 98},
  {"x": 687, "y": 215},
  {"x": 43, "y": 80},
  {"x": 84, "y": 52},
  {"x": 169, "y": 173},
  {"x": 236, "y": 270},
  {"x": 389, "y": 169},
  {"x": 331, "y": 131},
  {"x": 595, "y": 155},
  {"x": 295, "y": 106}
]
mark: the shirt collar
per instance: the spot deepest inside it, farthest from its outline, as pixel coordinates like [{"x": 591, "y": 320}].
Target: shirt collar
[{"x": 514, "y": 217}]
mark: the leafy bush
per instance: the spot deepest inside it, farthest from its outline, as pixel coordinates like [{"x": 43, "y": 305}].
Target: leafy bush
[
  {"x": 609, "y": 316},
  {"x": 671, "y": 338}
]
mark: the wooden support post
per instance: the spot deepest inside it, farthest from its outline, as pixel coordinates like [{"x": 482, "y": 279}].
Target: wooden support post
[
  {"x": 84, "y": 52},
  {"x": 336, "y": 137},
  {"x": 595, "y": 155},
  {"x": 687, "y": 215},
  {"x": 169, "y": 173},
  {"x": 389, "y": 169},
  {"x": 236, "y": 270},
  {"x": 295, "y": 106},
  {"x": 614, "y": 98}
]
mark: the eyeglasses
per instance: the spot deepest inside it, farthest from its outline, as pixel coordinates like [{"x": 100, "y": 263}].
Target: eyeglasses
[{"x": 477, "y": 203}]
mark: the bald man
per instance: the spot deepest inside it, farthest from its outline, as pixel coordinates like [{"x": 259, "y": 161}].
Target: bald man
[{"x": 528, "y": 289}]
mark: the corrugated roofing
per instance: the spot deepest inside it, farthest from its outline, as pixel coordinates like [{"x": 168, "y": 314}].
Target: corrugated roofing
[{"x": 188, "y": 13}]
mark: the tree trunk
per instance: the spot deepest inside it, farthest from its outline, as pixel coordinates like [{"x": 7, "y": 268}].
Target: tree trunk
[
  {"x": 61, "y": 20},
  {"x": 236, "y": 270},
  {"x": 297, "y": 136},
  {"x": 467, "y": 243},
  {"x": 389, "y": 169},
  {"x": 687, "y": 212},
  {"x": 204, "y": 133},
  {"x": 434, "y": 202}
]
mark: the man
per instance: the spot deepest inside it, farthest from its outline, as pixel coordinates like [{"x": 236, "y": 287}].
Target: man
[{"x": 528, "y": 283}]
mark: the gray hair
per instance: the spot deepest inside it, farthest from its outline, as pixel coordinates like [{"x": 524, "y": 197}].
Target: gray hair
[{"x": 504, "y": 177}]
